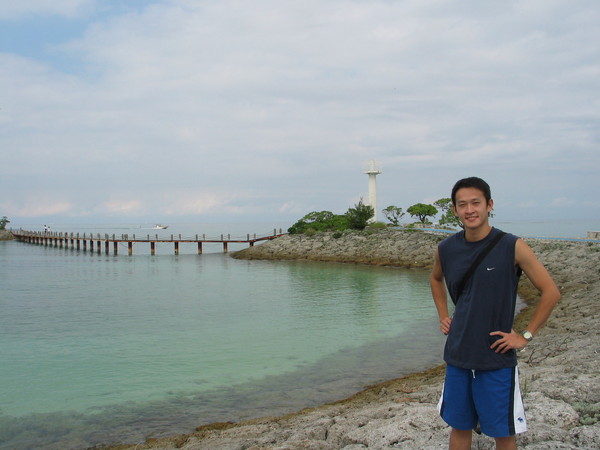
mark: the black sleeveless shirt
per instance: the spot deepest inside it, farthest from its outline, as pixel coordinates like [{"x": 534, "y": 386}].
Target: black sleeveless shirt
[{"x": 486, "y": 304}]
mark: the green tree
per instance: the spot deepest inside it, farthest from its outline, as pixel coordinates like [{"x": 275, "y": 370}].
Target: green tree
[
  {"x": 448, "y": 217},
  {"x": 3, "y": 222},
  {"x": 393, "y": 214},
  {"x": 359, "y": 216},
  {"x": 422, "y": 211},
  {"x": 319, "y": 221},
  {"x": 339, "y": 222},
  {"x": 444, "y": 204}
]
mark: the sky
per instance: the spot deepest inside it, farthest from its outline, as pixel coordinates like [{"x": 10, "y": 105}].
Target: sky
[{"x": 174, "y": 111}]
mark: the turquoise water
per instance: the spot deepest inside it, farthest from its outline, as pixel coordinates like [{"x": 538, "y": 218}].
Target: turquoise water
[{"x": 99, "y": 348}]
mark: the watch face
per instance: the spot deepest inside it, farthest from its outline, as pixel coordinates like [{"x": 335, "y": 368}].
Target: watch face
[{"x": 527, "y": 335}]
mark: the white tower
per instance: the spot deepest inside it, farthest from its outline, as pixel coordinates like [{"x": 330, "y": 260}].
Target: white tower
[{"x": 373, "y": 171}]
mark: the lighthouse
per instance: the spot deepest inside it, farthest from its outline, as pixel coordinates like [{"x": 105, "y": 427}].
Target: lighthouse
[{"x": 373, "y": 171}]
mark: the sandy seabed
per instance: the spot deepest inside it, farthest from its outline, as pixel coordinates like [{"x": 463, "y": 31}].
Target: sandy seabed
[{"x": 560, "y": 370}]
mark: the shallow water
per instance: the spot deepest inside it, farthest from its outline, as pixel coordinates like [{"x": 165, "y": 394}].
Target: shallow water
[{"x": 102, "y": 348}]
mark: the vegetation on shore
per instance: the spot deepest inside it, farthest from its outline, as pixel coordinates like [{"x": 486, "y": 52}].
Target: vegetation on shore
[
  {"x": 3, "y": 222},
  {"x": 5, "y": 235},
  {"x": 360, "y": 216},
  {"x": 355, "y": 218}
]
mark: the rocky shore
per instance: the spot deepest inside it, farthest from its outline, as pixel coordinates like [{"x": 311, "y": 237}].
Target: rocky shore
[
  {"x": 560, "y": 370},
  {"x": 6, "y": 235}
]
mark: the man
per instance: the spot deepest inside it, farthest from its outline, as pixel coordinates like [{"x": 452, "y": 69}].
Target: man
[{"x": 482, "y": 385}]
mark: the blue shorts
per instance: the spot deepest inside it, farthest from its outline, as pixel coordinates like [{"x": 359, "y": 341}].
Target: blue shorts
[{"x": 491, "y": 398}]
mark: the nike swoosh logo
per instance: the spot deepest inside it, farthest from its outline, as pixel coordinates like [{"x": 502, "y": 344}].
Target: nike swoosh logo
[{"x": 490, "y": 268}]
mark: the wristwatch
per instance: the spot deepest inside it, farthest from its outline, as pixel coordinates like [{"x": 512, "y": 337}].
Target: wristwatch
[{"x": 527, "y": 335}]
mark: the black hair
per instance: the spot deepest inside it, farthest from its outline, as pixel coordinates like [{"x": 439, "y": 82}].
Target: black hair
[{"x": 472, "y": 182}]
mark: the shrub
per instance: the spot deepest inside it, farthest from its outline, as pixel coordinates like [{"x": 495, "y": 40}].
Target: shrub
[
  {"x": 319, "y": 221},
  {"x": 378, "y": 225},
  {"x": 359, "y": 216}
]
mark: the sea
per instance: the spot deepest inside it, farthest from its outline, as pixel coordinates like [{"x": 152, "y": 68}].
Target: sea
[{"x": 99, "y": 348}]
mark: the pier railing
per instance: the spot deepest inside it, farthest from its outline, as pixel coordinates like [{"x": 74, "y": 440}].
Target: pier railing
[{"x": 98, "y": 241}]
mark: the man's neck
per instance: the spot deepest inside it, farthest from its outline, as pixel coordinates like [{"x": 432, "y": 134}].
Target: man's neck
[{"x": 477, "y": 234}]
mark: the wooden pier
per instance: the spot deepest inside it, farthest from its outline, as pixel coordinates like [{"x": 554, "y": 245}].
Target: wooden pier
[{"x": 98, "y": 242}]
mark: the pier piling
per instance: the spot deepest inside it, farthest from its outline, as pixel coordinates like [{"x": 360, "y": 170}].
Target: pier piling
[{"x": 77, "y": 240}]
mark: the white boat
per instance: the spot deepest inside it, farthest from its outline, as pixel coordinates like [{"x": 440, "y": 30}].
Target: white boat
[{"x": 160, "y": 227}]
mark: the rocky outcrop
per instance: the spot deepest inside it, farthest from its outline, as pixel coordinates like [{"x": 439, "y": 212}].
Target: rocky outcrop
[
  {"x": 377, "y": 247},
  {"x": 6, "y": 235}
]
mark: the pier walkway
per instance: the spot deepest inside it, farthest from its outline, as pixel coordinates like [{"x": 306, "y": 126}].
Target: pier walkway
[{"x": 98, "y": 241}]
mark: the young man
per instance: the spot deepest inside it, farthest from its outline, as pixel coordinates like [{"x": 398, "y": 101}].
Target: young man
[{"x": 482, "y": 385}]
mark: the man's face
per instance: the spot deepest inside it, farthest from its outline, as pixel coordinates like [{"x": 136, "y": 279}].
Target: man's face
[{"x": 471, "y": 207}]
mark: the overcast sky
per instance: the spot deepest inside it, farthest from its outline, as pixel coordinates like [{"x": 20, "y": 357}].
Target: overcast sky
[{"x": 200, "y": 110}]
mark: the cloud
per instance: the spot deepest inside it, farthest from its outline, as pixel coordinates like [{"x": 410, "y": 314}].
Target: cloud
[
  {"x": 222, "y": 107},
  {"x": 37, "y": 208},
  {"x": 527, "y": 204},
  {"x": 196, "y": 203},
  {"x": 129, "y": 207},
  {"x": 294, "y": 208},
  {"x": 66, "y": 8},
  {"x": 561, "y": 202}
]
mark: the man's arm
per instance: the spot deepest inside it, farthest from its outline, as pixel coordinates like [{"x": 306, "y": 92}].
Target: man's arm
[
  {"x": 550, "y": 295},
  {"x": 438, "y": 291}
]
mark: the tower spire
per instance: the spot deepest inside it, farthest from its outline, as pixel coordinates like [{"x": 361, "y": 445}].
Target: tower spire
[{"x": 373, "y": 171}]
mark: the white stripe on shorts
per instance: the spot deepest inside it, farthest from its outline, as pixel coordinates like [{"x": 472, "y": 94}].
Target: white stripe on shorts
[{"x": 518, "y": 407}]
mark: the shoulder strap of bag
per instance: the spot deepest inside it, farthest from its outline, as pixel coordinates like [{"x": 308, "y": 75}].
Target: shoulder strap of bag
[{"x": 478, "y": 260}]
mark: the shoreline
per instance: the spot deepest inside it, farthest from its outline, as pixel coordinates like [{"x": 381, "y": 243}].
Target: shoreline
[
  {"x": 560, "y": 381},
  {"x": 6, "y": 235}
]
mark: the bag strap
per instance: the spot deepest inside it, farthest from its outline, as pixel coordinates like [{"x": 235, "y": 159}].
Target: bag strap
[{"x": 477, "y": 261}]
